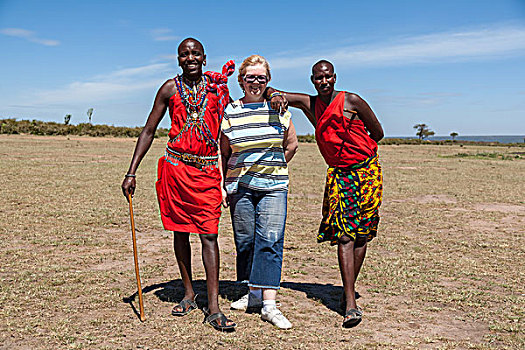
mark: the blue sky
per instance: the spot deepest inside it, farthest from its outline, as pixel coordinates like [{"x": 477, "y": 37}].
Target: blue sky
[{"x": 454, "y": 65}]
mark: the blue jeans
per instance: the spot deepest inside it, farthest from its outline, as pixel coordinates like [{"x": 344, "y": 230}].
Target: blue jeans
[{"x": 258, "y": 219}]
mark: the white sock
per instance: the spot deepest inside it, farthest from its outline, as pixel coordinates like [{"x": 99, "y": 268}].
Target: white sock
[
  {"x": 268, "y": 305},
  {"x": 256, "y": 293}
]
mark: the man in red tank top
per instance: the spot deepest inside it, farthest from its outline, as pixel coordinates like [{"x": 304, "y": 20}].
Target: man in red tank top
[
  {"x": 347, "y": 132},
  {"x": 188, "y": 186}
]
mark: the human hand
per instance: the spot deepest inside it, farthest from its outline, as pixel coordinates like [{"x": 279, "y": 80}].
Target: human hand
[
  {"x": 128, "y": 186},
  {"x": 279, "y": 103},
  {"x": 225, "y": 202}
]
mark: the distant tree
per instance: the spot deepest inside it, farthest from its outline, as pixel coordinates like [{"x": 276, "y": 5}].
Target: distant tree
[
  {"x": 67, "y": 118},
  {"x": 89, "y": 114},
  {"x": 423, "y": 131},
  {"x": 453, "y": 135}
]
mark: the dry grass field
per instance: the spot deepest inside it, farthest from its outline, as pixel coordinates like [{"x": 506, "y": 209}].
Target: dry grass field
[{"x": 447, "y": 270}]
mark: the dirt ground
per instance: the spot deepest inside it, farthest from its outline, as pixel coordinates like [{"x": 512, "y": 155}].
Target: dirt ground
[{"x": 446, "y": 271}]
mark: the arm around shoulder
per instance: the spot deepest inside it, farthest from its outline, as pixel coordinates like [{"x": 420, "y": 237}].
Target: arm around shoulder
[{"x": 294, "y": 99}]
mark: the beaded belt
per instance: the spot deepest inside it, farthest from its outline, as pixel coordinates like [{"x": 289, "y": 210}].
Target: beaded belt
[{"x": 192, "y": 159}]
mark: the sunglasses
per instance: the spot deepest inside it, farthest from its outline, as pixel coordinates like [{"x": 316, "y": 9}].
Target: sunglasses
[{"x": 250, "y": 78}]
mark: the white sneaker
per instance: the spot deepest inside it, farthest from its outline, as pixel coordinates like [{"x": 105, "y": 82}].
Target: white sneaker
[
  {"x": 246, "y": 302},
  {"x": 276, "y": 317}
]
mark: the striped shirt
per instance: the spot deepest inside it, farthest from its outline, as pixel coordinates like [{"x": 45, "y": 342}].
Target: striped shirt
[{"x": 255, "y": 132}]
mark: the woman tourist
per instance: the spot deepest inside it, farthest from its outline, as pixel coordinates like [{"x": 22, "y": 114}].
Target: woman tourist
[{"x": 256, "y": 145}]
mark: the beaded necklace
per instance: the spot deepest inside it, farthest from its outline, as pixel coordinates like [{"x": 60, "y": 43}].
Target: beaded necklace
[
  {"x": 195, "y": 100},
  {"x": 192, "y": 98}
]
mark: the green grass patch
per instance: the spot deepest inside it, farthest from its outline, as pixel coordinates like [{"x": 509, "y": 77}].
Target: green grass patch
[{"x": 37, "y": 127}]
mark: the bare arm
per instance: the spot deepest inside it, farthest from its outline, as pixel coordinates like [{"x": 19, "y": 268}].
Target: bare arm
[
  {"x": 225, "y": 152},
  {"x": 146, "y": 136},
  {"x": 297, "y": 100},
  {"x": 290, "y": 143},
  {"x": 365, "y": 113}
]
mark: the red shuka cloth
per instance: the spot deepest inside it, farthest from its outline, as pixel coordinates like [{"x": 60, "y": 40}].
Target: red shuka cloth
[
  {"x": 342, "y": 142},
  {"x": 190, "y": 198}
]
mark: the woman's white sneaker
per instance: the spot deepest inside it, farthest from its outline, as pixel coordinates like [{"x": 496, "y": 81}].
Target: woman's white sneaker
[
  {"x": 247, "y": 301},
  {"x": 276, "y": 317}
]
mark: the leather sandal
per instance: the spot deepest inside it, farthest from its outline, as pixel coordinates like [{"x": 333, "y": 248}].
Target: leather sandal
[
  {"x": 185, "y": 307},
  {"x": 352, "y": 318},
  {"x": 218, "y": 321}
]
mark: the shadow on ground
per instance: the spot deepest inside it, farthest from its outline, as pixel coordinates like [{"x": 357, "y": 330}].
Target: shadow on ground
[
  {"x": 173, "y": 292},
  {"x": 328, "y": 294}
]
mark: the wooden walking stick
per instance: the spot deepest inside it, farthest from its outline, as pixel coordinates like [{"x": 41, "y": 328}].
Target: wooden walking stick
[{"x": 141, "y": 304}]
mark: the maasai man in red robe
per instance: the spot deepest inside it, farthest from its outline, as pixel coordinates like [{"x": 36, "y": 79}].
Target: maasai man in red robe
[
  {"x": 189, "y": 174},
  {"x": 347, "y": 132}
]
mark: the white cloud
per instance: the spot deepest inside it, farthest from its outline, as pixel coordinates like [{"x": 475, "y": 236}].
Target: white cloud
[
  {"x": 439, "y": 47},
  {"x": 90, "y": 92},
  {"x": 29, "y": 36},
  {"x": 107, "y": 87},
  {"x": 161, "y": 31},
  {"x": 135, "y": 72},
  {"x": 172, "y": 57},
  {"x": 163, "y": 34},
  {"x": 167, "y": 38}
]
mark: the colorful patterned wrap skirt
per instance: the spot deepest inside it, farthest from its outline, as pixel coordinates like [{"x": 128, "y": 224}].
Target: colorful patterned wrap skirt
[{"x": 352, "y": 198}]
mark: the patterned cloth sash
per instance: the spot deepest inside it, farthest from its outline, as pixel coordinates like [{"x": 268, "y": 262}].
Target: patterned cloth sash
[
  {"x": 364, "y": 163},
  {"x": 351, "y": 201},
  {"x": 199, "y": 162}
]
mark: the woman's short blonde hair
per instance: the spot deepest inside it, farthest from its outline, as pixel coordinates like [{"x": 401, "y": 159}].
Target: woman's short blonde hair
[{"x": 253, "y": 60}]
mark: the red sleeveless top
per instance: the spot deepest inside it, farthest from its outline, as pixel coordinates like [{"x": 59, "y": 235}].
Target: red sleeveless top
[
  {"x": 188, "y": 178},
  {"x": 343, "y": 142},
  {"x": 192, "y": 140}
]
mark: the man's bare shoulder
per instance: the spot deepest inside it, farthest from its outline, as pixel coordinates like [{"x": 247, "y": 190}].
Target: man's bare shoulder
[
  {"x": 353, "y": 100},
  {"x": 352, "y": 97},
  {"x": 168, "y": 88}
]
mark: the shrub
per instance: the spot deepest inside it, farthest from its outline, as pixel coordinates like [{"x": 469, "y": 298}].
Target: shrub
[{"x": 37, "y": 127}]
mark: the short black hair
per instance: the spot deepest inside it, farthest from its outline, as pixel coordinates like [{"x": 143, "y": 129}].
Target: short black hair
[
  {"x": 328, "y": 63},
  {"x": 191, "y": 39}
]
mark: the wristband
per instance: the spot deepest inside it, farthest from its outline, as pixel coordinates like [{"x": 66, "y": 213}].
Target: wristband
[
  {"x": 130, "y": 175},
  {"x": 275, "y": 93}
]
